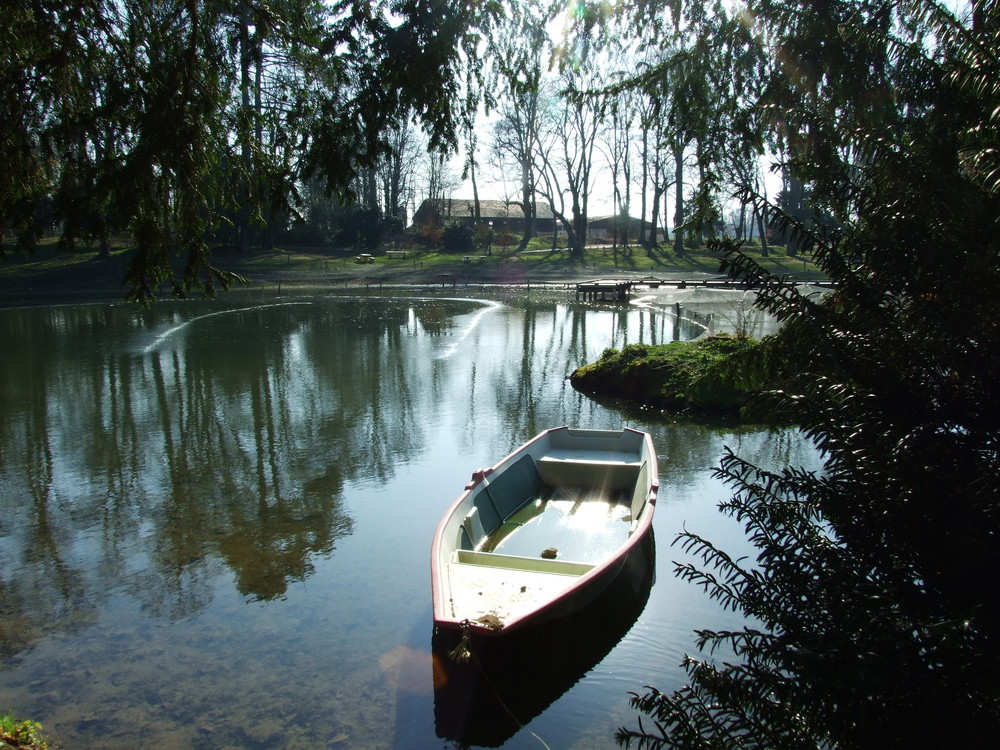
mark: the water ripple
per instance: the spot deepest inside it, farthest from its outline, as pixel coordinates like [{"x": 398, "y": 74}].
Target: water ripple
[{"x": 181, "y": 326}]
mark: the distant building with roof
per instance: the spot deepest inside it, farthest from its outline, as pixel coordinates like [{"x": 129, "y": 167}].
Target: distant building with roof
[
  {"x": 606, "y": 227},
  {"x": 504, "y": 216}
]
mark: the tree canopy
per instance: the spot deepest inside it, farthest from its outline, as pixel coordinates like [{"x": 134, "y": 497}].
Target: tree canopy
[{"x": 172, "y": 120}]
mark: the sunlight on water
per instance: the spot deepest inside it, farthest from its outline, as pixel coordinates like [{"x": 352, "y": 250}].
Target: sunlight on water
[
  {"x": 591, "y": 515},
  {"x": 181, "y": 326},
  {"x": 463, "y": 334}
]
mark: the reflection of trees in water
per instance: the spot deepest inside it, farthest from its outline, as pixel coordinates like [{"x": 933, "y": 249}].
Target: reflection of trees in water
[
  {"x": 435, "y": 317},
  {"x": 168, "y": 462},
  {"x": 228, "y": 445},
  {"x": 42, "y": 586},
  {"x": 231, "y": 445},
  {"x": 543, "y": 343},
  {"x": 368, "y": 358},
  {"x": 237, "y": 418}
]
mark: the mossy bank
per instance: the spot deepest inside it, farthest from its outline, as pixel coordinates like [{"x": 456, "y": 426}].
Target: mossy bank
[
  {"x": 684, "y": 376},
  {"x": 21, "y": 733}
]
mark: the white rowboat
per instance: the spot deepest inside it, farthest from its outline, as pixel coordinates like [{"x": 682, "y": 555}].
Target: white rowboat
[{"x": 544, "y": 531}]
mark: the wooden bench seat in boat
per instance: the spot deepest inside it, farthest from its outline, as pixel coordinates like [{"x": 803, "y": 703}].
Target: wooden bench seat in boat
[
  {"x": 565, "y": 468},
  {"x": 501, "y": 495},
  {"x": 513, "y": 562}
]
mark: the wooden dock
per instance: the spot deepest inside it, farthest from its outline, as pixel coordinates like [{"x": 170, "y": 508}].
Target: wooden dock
[
  {"x": 652, "y": 282},
  {"x": 620, "y": 290},
  {"x": 604, "y": 290}
]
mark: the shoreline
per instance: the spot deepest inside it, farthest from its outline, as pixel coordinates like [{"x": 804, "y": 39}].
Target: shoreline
[
  {"x": 53, "y": 277},
  {"x": 93, "y": 281}
]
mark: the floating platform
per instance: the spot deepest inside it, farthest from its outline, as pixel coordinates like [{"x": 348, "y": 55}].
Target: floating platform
[{"x": 604, "y": 290}]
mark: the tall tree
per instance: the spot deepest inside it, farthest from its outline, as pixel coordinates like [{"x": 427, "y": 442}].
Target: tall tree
[
  {"x": 565, "y": 160},
  {"x": 398, "y": 172},
  {"x": 520, "y": 64},
  {"x": 48, "y": 54},
  {"x": 619, "y": 119},
  {"x": 515, "y": 140}
]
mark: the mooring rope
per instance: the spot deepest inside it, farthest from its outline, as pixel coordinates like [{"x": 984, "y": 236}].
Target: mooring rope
[{"x": 463, "y": 653}]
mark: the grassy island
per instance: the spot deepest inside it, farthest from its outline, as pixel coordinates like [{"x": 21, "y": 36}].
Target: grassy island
[{"x": 681, "y": 376}]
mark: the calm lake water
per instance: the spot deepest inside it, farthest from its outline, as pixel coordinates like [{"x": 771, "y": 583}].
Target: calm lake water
[{"x": 216, "y": 517}]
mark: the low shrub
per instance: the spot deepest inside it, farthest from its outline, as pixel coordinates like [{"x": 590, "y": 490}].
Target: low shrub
[{"x": 457, "y": 238}]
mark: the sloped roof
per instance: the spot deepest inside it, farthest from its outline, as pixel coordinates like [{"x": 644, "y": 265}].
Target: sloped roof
[
  {"x": 613, "y": 219},
  {"x": 488, "y": 209}
]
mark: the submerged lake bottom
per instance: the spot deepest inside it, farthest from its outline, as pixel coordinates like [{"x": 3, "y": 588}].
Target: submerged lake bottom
[{"x": 216, "y": 518}]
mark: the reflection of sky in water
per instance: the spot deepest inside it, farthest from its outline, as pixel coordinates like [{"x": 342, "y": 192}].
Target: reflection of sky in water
[{"x": 215, "y": 523}]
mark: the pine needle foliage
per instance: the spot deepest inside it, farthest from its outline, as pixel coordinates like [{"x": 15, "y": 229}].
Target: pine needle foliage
[{"x": 872, "y": 618}]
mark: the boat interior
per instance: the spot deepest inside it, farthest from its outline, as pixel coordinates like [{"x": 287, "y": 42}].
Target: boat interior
[{"x": 557, "y": 514}]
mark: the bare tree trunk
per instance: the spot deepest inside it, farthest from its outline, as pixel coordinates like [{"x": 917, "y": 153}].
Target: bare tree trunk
[
  {"x": 243, "y": 210},
  {"x": 761, "y": 233},
  {"x": 475, "y": 194},
  {"x": 528, "y": 205},
  {"x": 643, "y": 239},
  {"x": 658, "y": 192},
  {"x": 763, "y": 230},
  {"x": 269, "y": 229},
  {"x": 470, "y": 168},
  {"x": 678, "y": 200}
]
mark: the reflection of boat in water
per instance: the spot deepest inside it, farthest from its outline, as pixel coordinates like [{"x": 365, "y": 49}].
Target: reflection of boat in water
[
  {"x": 509, "y": 681},
  {"x": 544, "y": 531}
]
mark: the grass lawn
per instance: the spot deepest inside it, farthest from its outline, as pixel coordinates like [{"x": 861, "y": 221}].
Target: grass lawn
[{"x": 50, "y": 270}]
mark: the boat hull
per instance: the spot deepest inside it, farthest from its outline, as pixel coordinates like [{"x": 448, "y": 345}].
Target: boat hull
[{"x": 513, "y": 679}]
